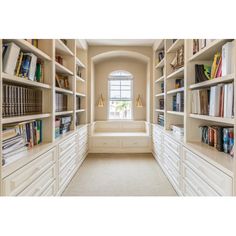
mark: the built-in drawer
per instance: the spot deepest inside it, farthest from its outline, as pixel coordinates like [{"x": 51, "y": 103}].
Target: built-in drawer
[
  {"x": 172, "y": 173},
  {"x": 173, "y": 145},
  {"x": 135, "y": 143},
  {"x": 106, "y": 142},
  {"x": 200, "y": 186},
  {"x": 188, "y": 190},
  {"x": 50, "y": 191},
  {"x": 41, "y": 184},
  {"x": 175, "y": 160},
  {"x": 67, "y": 172},
  {"x": 66, "y": 145},
  {"x": 83, "y": 131},
  {"x": 217, "y": 179},
  {"x": 83, "y": 141},
  {"x": 67, "y": 157},
  {"x": 19, "y": 180}
]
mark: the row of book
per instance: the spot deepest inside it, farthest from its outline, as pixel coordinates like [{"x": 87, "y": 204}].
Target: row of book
[
  {"x": 20, "y": 137},
  {"x": 161, "y": 103},
  {"x": 21, "y": 64},
  {"x": 18, "y": 101},
  {"x": 222, "y": 65},
  {"x": 162, "y": 87},
  {"x": 61, "y": 102},
  {"x": 215, "y": 101},
  {"x": 178, "y": 102},
  {"x": 199, "y": 44},
  {"x": 78, "y": 103},
  {"x": 160, "y": 119},
  {"x": 222, "y": 138},
  {"x": 62, "y": 125}
]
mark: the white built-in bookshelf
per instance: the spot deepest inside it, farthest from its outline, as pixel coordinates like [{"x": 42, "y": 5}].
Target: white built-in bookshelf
[
  {"x": 191, "y": 121},
  {"x": 74, "y": 55}
]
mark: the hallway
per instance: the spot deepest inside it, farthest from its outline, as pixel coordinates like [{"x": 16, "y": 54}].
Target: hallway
[{"x": 119, "y": 175}]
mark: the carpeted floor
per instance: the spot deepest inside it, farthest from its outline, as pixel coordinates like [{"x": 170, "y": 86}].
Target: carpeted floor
[{"x": 119, "y": 175}]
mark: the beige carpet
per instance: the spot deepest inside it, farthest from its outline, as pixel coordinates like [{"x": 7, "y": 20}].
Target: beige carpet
[{"x": 119, "y": 175}]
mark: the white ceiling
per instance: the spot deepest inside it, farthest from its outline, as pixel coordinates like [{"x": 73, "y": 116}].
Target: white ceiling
[{"x": 120, "y": 42}]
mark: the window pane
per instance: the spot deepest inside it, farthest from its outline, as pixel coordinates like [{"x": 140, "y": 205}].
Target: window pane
[
  {"x": 126, "y": 94},
  {"x": 125, "y": 88},
  {"x": 114, "y": 94},
  {"x": 114, "y": 87},
  {"x": 120, "y": 110},
  {"x": 114, "y": 82},
  {"x": 126, "y": 82}
]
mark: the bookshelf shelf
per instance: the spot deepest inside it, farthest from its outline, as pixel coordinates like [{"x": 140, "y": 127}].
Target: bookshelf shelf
[
  {"x": 209, "y": 51},
  {"x": 176, "y": 45},
  {"x": 160, "y": 110},
  {"x": 62, "y": 69},
  {"x": 160, "y": 64},
  {"x": 178, "y": 113},
  {"x": 20, "y": 80},
  {"x": 80, "y": 63},
  {"x": 80, "y": 110},
  {"x": 80, "y": 94},
  {"x": 208, "y": 83},
  {"x": 27, "y": 47},
  {"x": 160, "y": 79},
  {"x": 179, "y": 73},
  {"x": 79, "y": 79},
  {"x": 62, "y": 48},
  {"x": 160, "y": 94},
  {"x": 212, "y": 118},
  {"x": 61, "y": 113},
  {"x": 15, "y": 119},
  {"x": 173, "y": 91},
  {"x": 63, "y": 90}
]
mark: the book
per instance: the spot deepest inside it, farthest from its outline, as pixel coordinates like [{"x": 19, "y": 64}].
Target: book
[
  {"x": 10, "y": 57},
  {"x": 227, "y": 58},
  {"x": 32, "y": 66}
]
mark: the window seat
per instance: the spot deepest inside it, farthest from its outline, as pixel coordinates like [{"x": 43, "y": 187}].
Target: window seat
[{"x": 120, "y": 137}]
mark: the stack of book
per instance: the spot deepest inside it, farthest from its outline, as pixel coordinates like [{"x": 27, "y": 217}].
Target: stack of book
[
  {"x": 160, "y": 119},
  {"x": 222, "y": 138},
  {"x": 161, "y": 103},
  {"x": 62, "y": 125},
  {"x": 20, "y": 137},
  {"x": 178, "y": 130},
  {"x": 61, "y": 102},
  {"x": 178, "y": 102},
  {"x": 22, "y": 64},
  {"x": 216, "y": 101},
  {"x": 19, "y": 101},
  {"x": 78, "y": 103}
]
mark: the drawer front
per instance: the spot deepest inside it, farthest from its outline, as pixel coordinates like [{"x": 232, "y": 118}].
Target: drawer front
[
  {"x": 173, "y": 174},
  {"x": 106, "y": 143},
  {"x": 67, "y": 157},
  {"x": 66, "y": 145},
  {"x": 200, "y": 187},
  {"x": 174, "y": 146},
  {"x": 19, "y": 180},
  {"x": 41, "y": 184},
  {"x": 83, "y": 141},
  {"x": 218, "y": 180},
  {"x": 67, "y": 172},
  {"x": 188, "y": 190},
  {"x": 83, "y": 131},
  {"x": 174, "y": 159},
  {"x": 50, "y": 191},
  {"x": 134, "y": 143}
]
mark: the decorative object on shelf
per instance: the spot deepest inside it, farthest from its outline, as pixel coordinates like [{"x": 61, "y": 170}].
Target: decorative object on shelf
[
  {"x": 101, "y": 101},
  {"x": 161, "y": 55},
  {"x": 59, "y": 59},
  {"x": 178, "y": 60},
  {"x": 62, "y": 82},
  {"x": 179, "y": 83},
  {"x": 78, "y": 71},
  {"x": 139, "y": 101}
]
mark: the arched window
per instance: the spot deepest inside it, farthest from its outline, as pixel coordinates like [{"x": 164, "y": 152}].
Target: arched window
[{"x": 120, "y": 84}]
